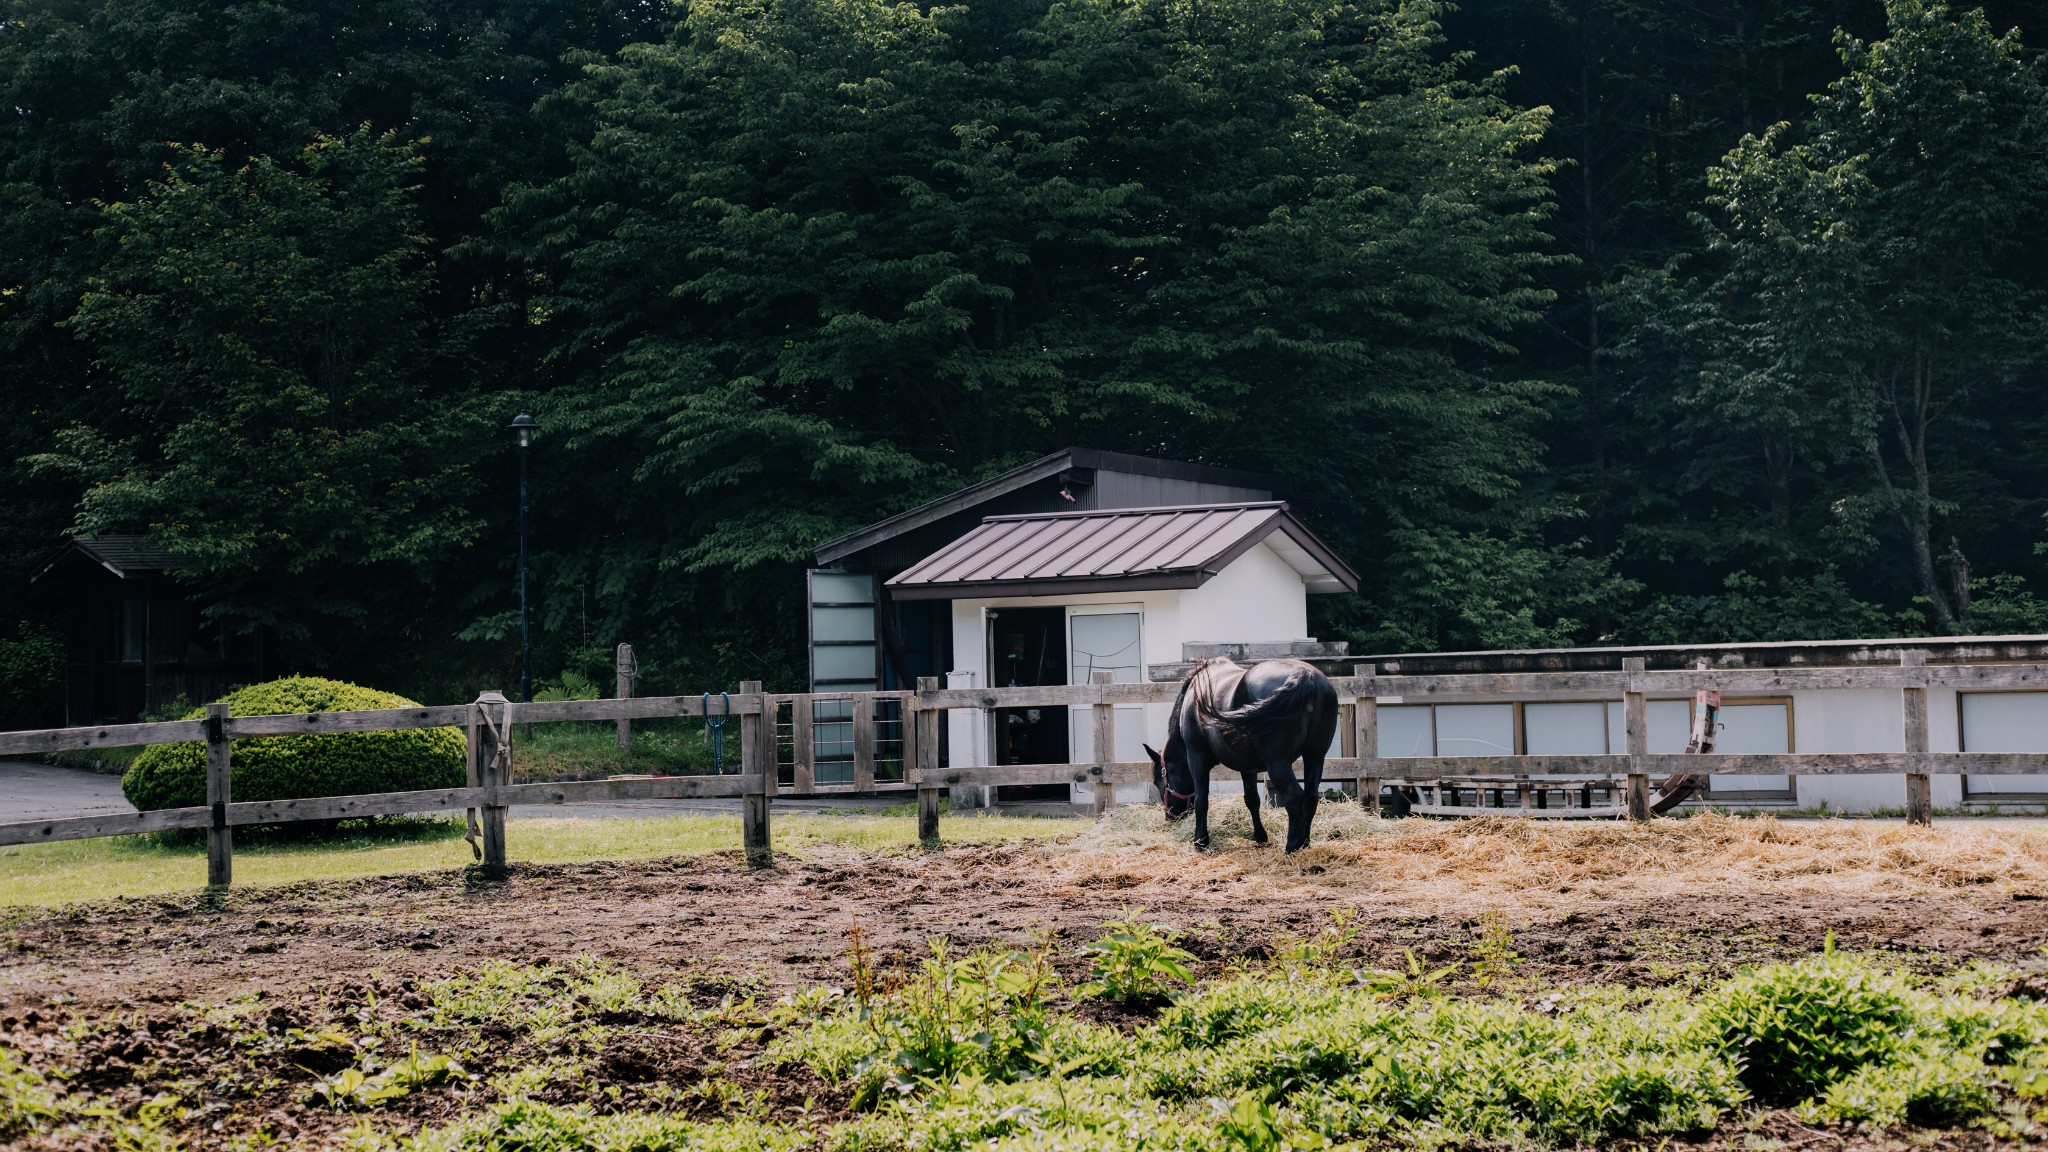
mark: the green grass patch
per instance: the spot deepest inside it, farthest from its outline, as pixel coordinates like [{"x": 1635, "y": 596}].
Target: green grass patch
[
  {"x": 151, "y": 866},
  {"x": 569, "y": 751}
]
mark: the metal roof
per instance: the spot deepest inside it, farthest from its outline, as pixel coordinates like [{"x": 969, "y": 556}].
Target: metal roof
[
  {"x": 1125, "y": 548},
  {"x": 124, "y": 556},
  {"x": 835, "y": 550}
]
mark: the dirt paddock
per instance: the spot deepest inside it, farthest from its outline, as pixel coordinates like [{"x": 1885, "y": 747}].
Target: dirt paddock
[
  {"x": 1674, "y": 902},
  {"x": 1599, "y": 903}
]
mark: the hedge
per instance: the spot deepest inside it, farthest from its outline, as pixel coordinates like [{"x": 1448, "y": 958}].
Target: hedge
[{"x": 292, "y": 767}]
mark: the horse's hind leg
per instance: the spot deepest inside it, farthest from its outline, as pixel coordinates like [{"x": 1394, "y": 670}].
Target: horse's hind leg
[
  {"x": 1302, "y": 816},
  {"x": 1294, "y": 797},
  {"x": 1251, "y": 801}
]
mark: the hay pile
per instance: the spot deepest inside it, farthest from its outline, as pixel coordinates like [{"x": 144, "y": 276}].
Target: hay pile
[{"x": 1505, "y": 862}]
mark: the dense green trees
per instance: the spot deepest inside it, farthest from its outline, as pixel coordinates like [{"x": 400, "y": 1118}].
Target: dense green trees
[
  {"x": 1558, "y": 336},
  {"x": 819, "y": 259}
]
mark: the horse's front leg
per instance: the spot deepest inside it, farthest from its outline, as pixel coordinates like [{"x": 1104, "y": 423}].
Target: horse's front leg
[
  {"x": 1201, "y": 772},
  {"x": 1251, "y": 801}
]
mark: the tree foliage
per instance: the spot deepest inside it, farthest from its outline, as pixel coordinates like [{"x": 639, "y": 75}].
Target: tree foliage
[
  {"x": 819, "y": 259},
  {"x": 1566, "y": 321}
]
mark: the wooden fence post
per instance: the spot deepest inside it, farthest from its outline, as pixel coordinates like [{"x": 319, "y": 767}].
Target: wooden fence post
[
  {"x": 863, "y": 706},
  {"x": 490, "y": 740},
  {"x": 1104, "y": 715},
  {"x": 220, "y": 839},
  {"x": 1919, "y": 789},
  {"x": 624, "y": 667},
  {"x": 757, "y": 732},
  {"x": 927, "y": 762},
  {"x": 1365, "y": 737},
  {"x": 1635, "y": 722}
]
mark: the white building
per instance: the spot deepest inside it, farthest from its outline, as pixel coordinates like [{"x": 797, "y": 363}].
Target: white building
[
  {"x": 1054, "y": 598},
  {"x": 1078, "y": 562}
]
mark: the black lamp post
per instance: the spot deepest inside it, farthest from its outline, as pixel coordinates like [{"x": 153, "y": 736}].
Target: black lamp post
[{"x": 524, "y": 424}]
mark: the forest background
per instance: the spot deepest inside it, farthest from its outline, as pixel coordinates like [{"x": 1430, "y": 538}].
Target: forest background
[{"x": 1568, "y": 321}]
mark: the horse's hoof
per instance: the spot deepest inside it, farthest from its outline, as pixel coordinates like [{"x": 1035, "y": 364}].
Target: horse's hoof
[
  {"x": 1202, "y": 844},
  {"x": 1259, "y": 838}
]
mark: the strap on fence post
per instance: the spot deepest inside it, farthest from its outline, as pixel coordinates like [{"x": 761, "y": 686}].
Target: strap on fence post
[
  {"x": 220, "y": 839},
  {"x": 803, "y": 747},
  {"x": 1636, "y": 731},
  {"x": 1105, "y": 741},
  {"x": 625, "y": 668},
  {"x": 756, "y": 733},
  {"x": 927, "y": 763},
  {"x": 491, "y": 725},
  {"x": 1365, "y": 736},
  {"x": 1919, "y": 789}
]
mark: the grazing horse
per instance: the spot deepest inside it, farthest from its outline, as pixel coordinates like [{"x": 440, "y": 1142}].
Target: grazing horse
[{"x": 1255, "y": 720}]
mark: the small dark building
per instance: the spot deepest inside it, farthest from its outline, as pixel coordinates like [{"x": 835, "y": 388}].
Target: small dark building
[{"x": 134, "y": 641}]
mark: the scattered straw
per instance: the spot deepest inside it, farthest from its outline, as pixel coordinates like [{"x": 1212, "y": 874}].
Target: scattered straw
[{"x": 1504, "y": 862}]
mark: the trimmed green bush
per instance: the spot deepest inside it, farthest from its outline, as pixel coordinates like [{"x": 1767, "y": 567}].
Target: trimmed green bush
[{"x": 292, "y": 767}]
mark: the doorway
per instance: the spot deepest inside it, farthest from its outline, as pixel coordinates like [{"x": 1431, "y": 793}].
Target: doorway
[{"x": 1027, "y": 647}]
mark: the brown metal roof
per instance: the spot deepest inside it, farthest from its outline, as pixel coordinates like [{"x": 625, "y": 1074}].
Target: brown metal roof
[{"x": 1125, "y": 548}]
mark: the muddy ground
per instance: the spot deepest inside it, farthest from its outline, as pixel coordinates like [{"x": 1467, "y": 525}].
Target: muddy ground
[{"x": 140, "y": 974}]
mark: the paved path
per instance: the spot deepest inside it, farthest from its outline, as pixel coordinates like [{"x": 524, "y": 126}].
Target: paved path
[{"x": 41, "y": 792}]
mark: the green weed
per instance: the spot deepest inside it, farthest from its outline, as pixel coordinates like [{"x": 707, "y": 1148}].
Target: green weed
[
  {"x": 1135, "y": 962},
  {"x": 1797, "y": 1028},
  {"x": 26, "y": 1102}
]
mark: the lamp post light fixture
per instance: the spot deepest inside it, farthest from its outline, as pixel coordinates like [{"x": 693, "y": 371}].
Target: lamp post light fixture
[{"x": 525, "y": 425}]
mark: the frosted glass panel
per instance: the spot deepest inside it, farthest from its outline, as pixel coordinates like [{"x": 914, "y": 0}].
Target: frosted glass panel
[
  {"x": 1475, "y": 729},
  {"x": 851, "y": 662},
  {"x": 842, "y": 588},
  {"x": 842, "y": 624},
  {"x": 1577, "y": 729},
  {"x": 2005, "y": 722},
  {"x": 1670, "y": 726},
  {"x": 1755, "y": 729},
  {"x": 1106, "y": 642},
  {"x": 1405, "y": 731}
]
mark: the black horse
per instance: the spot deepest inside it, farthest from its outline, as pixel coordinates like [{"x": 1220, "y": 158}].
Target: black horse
[{"x": 1255, "y": 720}]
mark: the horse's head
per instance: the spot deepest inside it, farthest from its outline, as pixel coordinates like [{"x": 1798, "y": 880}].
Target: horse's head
[{"x": 1171, "y": 776}]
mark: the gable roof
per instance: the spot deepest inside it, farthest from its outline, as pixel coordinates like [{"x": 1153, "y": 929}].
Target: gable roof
[
  {"x": 124, "y": 556},
  {"x": 1130, "y": 549},
  {"x": 1043, "y": 468}
]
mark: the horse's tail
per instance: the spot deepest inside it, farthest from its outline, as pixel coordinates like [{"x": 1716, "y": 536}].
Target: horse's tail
[{"x": 1296, "y": 694}]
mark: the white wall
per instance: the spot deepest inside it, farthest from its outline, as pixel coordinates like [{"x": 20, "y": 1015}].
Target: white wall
[{"x": 1258, "y": 598}]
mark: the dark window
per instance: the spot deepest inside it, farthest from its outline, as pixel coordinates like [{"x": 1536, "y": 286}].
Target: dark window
[{"x": 134, "y": 628}]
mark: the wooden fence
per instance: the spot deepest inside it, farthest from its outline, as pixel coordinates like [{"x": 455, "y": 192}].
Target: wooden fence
[{"x": 488, "y": 724}]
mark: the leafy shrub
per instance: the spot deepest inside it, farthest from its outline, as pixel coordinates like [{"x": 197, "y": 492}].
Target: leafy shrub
[
  {"x": 290, "y": 767},
  {"x": 1135, "y": 962},
  {"x": 1946, "y": 1091},
  {"x": 1799, "y": 1027},
  {"x": 31, "y": 678}
]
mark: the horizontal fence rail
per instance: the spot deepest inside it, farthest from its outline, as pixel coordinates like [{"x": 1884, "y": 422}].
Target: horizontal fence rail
[{"x": 875, "y": 742}]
